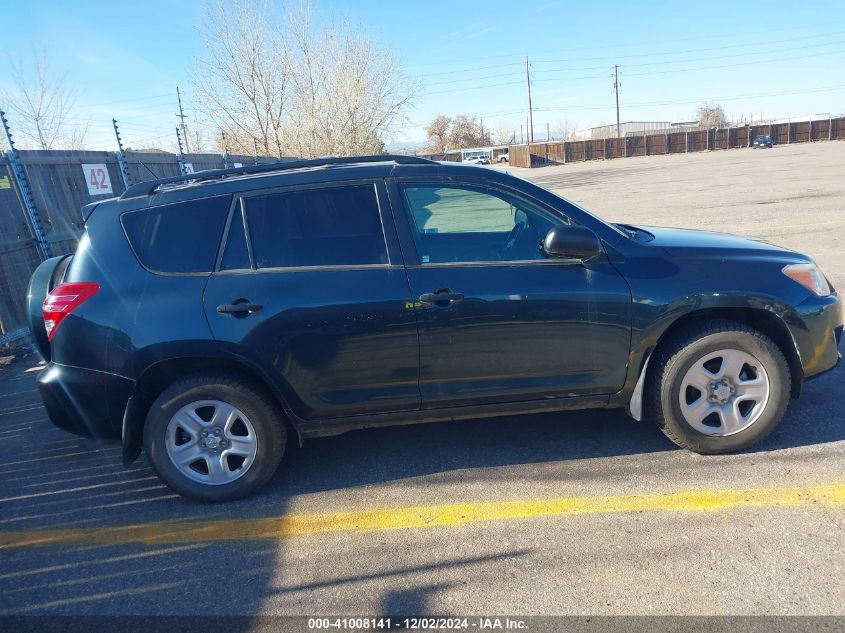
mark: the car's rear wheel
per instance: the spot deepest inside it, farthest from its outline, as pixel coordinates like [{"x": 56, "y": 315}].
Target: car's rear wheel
[
  {"x": 718, "y": 387},
  {"x": 214, "y": 437}
]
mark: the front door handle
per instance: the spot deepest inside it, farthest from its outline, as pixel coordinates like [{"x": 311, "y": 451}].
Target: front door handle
[
  {"x": 443, "y": 297},
  {"x": 239, "y": 309}
]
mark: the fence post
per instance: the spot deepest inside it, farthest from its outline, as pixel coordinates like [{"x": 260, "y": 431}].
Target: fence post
[
  {"x": 225, "y": 150},
  {"x": 686, "y": 142},
  {"x": 829, "y": 127},
  {"x": 645, "y": 145},
  {"x": 180, "y": 157},
  {"x": 121, "y": 158},
  {"x": 810, "y": 132},
  {"x": 25, "y": 192},
  {"x": 788, "y": 131},
  {"x": 708, "y": 139}
]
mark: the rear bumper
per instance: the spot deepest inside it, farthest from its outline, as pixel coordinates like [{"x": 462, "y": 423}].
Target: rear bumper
[
  {"x": 817, "y": 329},
  {"x": 83, "y": 401}
]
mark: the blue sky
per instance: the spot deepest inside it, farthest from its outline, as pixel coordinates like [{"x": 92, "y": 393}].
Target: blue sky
[{"x": 775, "y": 59}]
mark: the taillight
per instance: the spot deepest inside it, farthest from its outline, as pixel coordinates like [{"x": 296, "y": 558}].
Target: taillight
[{"x": 63, "y": 300}]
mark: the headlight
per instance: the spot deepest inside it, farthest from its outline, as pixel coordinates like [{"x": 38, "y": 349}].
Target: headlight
[{"x": 809, "y": 276}]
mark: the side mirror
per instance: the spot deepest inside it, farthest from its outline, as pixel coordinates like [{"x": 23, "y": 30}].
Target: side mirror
[{"x": 571, "y": 242}]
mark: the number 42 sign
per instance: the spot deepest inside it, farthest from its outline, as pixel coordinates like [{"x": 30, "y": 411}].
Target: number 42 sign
[{"x": 97, "y": 177}]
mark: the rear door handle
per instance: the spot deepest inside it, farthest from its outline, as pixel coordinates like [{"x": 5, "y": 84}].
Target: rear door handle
[
  {"x": 442, "y": 297},
  {"x": 239, "y": 309}
]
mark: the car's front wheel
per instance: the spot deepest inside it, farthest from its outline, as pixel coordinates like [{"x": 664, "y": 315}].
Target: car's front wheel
[
  {"x": 214, "y": 437},
  {"x": 718, "y": 387}
]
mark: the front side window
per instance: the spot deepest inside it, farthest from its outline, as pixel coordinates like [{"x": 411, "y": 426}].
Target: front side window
[
  {"x": 463, "y": 223},
  {"x": 316, "y": 227}
]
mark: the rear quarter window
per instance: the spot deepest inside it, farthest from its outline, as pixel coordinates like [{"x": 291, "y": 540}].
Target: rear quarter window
[{"x": 178, "y": 238}]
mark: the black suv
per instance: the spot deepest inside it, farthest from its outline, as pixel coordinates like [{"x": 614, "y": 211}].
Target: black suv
[
  {"x": 210, "y": 318},
  {"x": 762, "y": 141}
]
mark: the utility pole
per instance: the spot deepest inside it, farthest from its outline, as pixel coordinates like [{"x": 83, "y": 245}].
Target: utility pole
[
  {"x": 182, "y": 116},
  {"x": 616, "y": 90},
  {"x": 530, "y": 112},
  {"x": 254, "y": 151},
  {"x": 121, "y": 158}
]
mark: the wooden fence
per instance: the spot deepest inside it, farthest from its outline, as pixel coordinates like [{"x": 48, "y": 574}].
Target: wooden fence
[
  {"x": 558, "y": 153},
  {"x": 60, "y": 190}
]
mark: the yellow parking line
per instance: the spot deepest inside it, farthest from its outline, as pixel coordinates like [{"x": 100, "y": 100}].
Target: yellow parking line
[{"x": 286, "y": 526}]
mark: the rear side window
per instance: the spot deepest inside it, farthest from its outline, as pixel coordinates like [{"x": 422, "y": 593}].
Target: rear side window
[
  {"x": 316, "y": 227},
  {"x": 178, "y": 238}
]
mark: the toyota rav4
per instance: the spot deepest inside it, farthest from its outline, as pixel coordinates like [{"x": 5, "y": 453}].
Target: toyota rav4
[{"x": 208, "y": 319}]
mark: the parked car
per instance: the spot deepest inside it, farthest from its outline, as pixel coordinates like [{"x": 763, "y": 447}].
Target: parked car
[
  {"x": 762, "y": 141},
  {"x": 211, "y": 319},
  {"x": 504, "y": 158},
  {"x": 476, "y": 160}
]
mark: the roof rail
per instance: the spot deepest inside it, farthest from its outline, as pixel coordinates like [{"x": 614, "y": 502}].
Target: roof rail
[{"x": 149, "y": 186}]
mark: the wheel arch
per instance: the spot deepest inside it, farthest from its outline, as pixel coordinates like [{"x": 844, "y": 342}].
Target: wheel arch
[
  {"x": 158, "y": 376},
  {"x": 764, "y": 321}
]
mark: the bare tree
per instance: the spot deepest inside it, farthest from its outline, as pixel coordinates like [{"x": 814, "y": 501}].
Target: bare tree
[
  {"x": 465, "y": 131},
  {"x": 437, "y": 133},
  {"x": 270, "y": 73},
  {"x": 503, "y": 135},
  {"x": 42, "y": 106},
  {"x": 711, "y": 115},
  {"x": 565, "y": 130},
  {"x": 458, "y": 132}
]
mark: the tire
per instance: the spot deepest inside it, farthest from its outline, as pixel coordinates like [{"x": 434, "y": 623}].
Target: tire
[
  {"x": 726, "y": 414},
  {"x": 233, "y": 428}
]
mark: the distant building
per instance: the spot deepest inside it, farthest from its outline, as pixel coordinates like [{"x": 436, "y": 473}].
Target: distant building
[
  {"x": 684, "y": 125},
  {"x": 628, "y": 128}
]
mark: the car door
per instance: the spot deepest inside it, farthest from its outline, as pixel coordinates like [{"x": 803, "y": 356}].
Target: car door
[
  {"x": 499, "y": 321},
  {"x": 311, "y": 287}
]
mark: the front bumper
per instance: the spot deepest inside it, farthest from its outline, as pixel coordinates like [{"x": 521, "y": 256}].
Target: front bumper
[
  {"x": 817, "y": 327},
  {"x": 84, "y": 401}
]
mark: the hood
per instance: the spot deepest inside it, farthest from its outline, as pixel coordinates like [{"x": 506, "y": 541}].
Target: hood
[{"x": 687, "y": 242}]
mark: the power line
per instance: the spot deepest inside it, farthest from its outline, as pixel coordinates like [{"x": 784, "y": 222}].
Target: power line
[
  {"x": 690, "y": 50},
  {"x": 650, "y": 104},
  {"x": 695, "y": 59},
  {"x": 617, "y": 57},
  {"x": 709, "y": 67},
  {"x": 750, "y": 63},
  {"x": 642, "y": 74}
]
